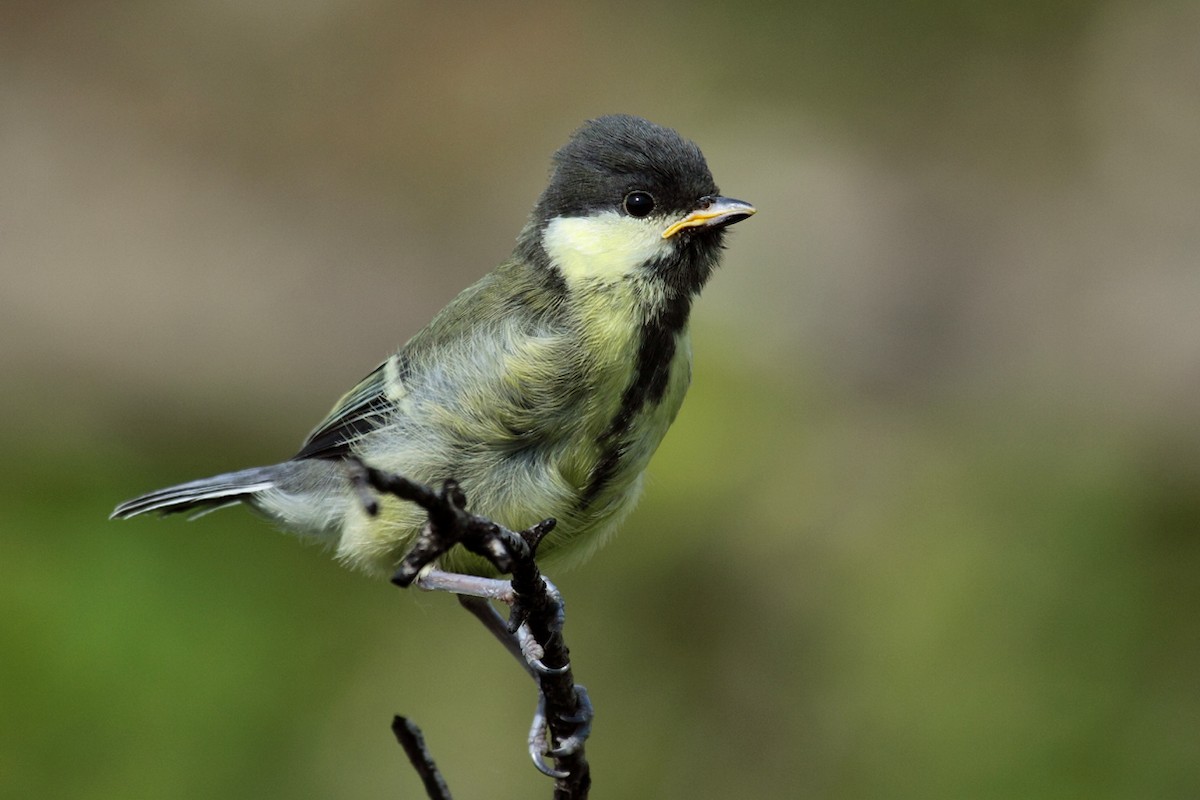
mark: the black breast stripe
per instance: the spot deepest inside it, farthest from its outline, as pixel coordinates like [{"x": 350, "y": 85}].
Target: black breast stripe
[{"x": 656, "y": 352}]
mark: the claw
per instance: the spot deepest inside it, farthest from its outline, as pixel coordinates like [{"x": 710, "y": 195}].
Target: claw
[
  {"x": 583, "y": 726},
  {"x": 567, "y": 747},
  {"x": 533, "y": 653},
  {"x": 560, "y": 608},
  {"x": 538, "y": 666},
  {"x": 537, "y": 742},
  {"x": 529, "y": 645}
]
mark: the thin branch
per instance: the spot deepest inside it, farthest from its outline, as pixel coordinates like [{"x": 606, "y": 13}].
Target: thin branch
[
  {"x": 568, "y": 712},
  {"x": 413, "y": 742},
  {"x": 537, "y": 606},
  {"x": 496, "y": 625}
]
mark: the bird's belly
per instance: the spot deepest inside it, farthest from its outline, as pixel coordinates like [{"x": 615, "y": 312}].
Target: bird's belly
[
  {"x": 516, "y": 490},
  {"x": 575, "y": 456}
]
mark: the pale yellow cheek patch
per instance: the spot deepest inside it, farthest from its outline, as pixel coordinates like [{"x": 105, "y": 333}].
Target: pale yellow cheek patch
[{"x": 606, "y": 245}]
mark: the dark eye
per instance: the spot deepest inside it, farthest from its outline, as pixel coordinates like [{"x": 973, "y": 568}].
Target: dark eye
[{"x": 638, "y": 204}]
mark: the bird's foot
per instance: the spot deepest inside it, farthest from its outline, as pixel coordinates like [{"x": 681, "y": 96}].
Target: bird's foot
[
  {"x": 471, "y": 589},
  {"x": 577, "y": 725}
]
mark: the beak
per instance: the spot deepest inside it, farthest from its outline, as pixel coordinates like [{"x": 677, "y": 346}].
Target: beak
[{"x": 713, "y": 211}]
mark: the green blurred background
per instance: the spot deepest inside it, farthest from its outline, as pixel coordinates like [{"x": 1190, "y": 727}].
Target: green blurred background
[{"x": 926, "y": 527}]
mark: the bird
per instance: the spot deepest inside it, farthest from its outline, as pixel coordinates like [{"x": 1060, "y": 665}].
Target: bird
[{"x": 543, "y": 389}]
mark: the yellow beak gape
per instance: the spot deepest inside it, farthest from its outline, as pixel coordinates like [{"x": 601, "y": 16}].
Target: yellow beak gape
[{"x": 714, "y": 211}]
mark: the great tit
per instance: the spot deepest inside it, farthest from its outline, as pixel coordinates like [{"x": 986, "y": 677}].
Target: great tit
[{"x": 543, "y": 389}]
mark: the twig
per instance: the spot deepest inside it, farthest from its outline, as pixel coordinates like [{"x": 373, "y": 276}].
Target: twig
[
  {"x": 565, "y": 701},
  {"x": 410, "y": 738},
  {"x": 537, "y": 605}
]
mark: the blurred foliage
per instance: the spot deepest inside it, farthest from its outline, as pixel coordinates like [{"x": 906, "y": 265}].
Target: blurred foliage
[{"x": 926, "y": 527}]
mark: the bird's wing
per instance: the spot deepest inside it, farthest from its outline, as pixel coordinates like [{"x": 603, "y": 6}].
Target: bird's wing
[
  {"x": 361, "y": 410},
  {"x": 503, "y": 339}
]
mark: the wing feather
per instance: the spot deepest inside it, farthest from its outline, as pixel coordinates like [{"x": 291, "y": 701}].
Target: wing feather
[{"x": 360, "y": 411}]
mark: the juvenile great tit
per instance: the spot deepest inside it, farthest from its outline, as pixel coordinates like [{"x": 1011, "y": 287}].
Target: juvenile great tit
[{"x": 543, "y": 389}]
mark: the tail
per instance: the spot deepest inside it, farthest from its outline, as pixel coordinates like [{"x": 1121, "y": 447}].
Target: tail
[{"x": 202, "y": 496}]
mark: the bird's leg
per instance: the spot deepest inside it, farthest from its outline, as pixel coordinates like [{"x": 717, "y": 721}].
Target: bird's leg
[
  {"x": 475, "y": 595},
  {"x": 582, "y": 722},
  {"x": 559, "y": 695},
  {"x": 437, "y": 580}
]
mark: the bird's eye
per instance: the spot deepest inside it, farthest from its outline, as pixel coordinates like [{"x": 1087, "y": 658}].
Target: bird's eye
[{"x": 638, "y": 204}]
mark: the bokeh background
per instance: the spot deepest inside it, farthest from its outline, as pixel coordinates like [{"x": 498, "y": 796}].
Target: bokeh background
[{"x": 926, "y": 527}]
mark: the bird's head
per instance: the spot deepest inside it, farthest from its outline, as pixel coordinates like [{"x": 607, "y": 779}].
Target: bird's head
[{"x": 631, "y": 198}]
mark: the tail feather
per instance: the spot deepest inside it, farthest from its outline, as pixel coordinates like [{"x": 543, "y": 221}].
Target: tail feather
[{"x": 202, "y": 496}]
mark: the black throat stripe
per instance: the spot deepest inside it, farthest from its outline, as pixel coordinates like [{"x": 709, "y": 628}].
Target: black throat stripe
[{"x": 656, "y": 353}]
